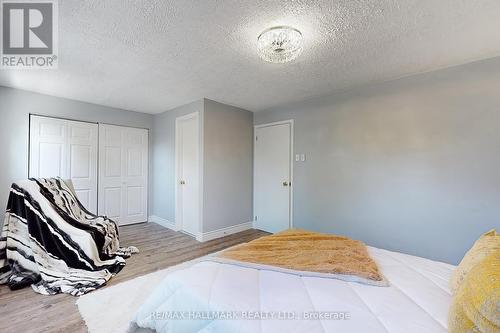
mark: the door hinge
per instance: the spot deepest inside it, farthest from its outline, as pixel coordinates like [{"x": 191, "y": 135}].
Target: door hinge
[
  {"x": 255, "y": 217},
  {"x": 256, "y": 138}
]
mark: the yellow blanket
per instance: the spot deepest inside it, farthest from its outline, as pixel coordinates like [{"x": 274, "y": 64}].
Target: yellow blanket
[{"x": 308, "y": 253}]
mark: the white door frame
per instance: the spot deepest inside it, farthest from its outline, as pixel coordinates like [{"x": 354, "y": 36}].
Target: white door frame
[
  {"x": 255, "y": 127},
  {"x": 178, "y": 207}
]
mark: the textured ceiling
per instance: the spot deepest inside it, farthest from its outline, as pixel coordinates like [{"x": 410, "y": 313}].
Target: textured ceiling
[{"x": 151, "y": 56}]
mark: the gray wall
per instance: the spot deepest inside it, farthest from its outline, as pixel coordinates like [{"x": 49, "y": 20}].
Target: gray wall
[
  {"x": 411, "y": 165},
  {"x": 15, "y": 107},
  {"x": 227, "y": 154},
  {"x": 163, "y": 150},
  {"x": 228, "y": 166}
]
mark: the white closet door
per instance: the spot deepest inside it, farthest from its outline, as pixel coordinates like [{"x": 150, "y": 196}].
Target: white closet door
[
  {"x": 136, "y": 175},
  {"x": 48, "y": 147},
  {"x": 67, "y": 149},
  {"x": 188, "y": 186},
  {"x": 110, "y": 172},
  {"x": 82, "y": 161},
  {"x": 123, "y": 173}
]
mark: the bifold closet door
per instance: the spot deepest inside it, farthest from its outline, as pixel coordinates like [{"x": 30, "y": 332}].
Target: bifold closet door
[
  {"x": 67, "y": 149},
  {"x": 123, "y": 173}
]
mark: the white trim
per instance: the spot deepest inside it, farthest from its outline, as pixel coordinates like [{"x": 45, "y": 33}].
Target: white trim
[
  {"x": 281, "y": 122},
  {"x": 201, "y": 166},
  {"x": 206, "y": 236},
  {"x": 134, "y": 221},
  {"x": 254, "y": 225},
  {"x": 178, "y": 208},
  {"x": 291, "y": 122},
  {"x": 163, "y": 222}
]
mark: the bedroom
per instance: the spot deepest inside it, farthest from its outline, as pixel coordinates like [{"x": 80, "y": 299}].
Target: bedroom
[{"x": 190, "y": 135}]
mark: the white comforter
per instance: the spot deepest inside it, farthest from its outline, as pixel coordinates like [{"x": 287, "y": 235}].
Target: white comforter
[{"x": 416, "y": 301}]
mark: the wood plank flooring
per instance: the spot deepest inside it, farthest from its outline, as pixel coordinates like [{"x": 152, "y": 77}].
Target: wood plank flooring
[{"x": 25, "y": 311}]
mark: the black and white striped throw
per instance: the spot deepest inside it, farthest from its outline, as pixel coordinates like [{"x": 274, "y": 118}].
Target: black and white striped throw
[{"x": 51, "y": 242}]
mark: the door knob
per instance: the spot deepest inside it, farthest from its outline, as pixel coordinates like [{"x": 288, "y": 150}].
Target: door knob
[
  {"x": 286, "y": 183},
  {"x": 182, "y": 182}
]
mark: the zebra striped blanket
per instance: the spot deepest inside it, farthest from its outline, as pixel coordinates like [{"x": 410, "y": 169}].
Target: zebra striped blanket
[{"x": 51, "y": 242}]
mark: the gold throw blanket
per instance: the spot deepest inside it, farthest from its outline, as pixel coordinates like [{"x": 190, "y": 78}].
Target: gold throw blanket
[{"x": 307, "y": 254}]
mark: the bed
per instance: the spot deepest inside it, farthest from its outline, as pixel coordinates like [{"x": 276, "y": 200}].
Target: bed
[{"x": 221, "y": 297}]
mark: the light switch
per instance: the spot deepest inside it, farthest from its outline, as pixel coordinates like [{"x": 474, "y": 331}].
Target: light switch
[
  {"x": 297, "y": 157},
  {"x": 302, "y": 157}
]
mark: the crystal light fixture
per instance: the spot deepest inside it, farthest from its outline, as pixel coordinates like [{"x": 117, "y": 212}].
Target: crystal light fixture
[{"x": 280, "y": 44}]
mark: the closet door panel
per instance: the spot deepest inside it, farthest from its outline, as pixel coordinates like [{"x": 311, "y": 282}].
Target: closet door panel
[
  {"x": 51, "y": 162},
  {"x": 66, "y": 149},
  {"x": 111, "y": 202},
  {"x": 110, "y": 172},
  {"x": 82, "y": 162},
  {"x": 123, "y": 173},
  {"x": 47, "y": 147},
  {"x": 136, "y": 169}
]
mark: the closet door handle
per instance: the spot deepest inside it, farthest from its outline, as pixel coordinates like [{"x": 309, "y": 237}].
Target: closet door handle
[{"x": 182, "y": 182}]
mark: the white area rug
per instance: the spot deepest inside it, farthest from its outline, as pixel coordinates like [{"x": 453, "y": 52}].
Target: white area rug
[{"x": 111, "y": 309}]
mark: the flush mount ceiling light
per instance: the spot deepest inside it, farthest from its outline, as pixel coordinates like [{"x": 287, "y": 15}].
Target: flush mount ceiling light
[{"x": 280, "y": 44}]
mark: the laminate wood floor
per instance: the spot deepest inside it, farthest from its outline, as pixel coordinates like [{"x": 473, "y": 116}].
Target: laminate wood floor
[{"x": 25, "y": 311}]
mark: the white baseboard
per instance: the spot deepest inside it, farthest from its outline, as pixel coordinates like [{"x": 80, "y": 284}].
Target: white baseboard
[
  {"x": 163, "y": 222},
  {"x": 206, "y": 236}
]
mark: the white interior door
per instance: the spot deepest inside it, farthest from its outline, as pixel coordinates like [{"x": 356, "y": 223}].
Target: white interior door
[
  {"x": 272, "y": 183},
  {"x": 66, "y": 149},
  {"x": 188, "y": 182},
  {"x": 123, "y": 173}
]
